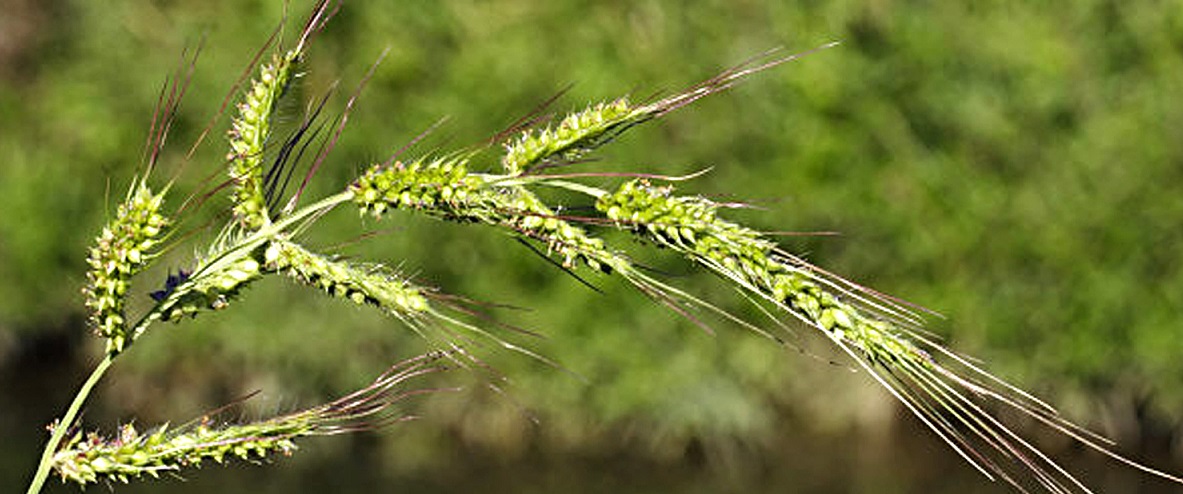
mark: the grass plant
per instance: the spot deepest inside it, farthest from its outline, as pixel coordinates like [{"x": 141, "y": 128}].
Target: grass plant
[{"x": 505, "y": 184}]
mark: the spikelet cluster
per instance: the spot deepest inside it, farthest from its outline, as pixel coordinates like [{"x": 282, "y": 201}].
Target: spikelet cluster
[
  {"x": 126, "y": 244},
  {"x": 446, "y": 189},
  {"x": 442, "y": 186},
  {"x": 691, "y": 225},
  {"x": 574, "y": 136},
  {"x": 91, "y": 458},
  {"x": 527, "y": 214},
  {"x": 679, "y": 221},
  {"x": 249, "y": 133},
  {"x": 211, "y": 289},
  {"x": 360, "y": 284}
]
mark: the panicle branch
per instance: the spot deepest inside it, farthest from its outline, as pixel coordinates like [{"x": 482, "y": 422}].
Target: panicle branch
[
  {"x": 582, "y": 132},
  {"x": 446, "y": 189},
  {"x": 364, "y": 285},
  {"x": 574, "y": 136},
  {"x": 90, "y": 458},
  {"x": 249, "y": 132},
  {"x": 123, "y": 249},
  {"x": 881, "y": 334}
]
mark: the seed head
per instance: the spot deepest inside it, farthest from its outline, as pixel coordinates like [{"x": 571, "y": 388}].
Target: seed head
[
  {"x": 249, "y": 133},
  {"x": 90, "y": 458},
  {"x": 575, "y": 135},
  {"x": 123, "y": 248}
]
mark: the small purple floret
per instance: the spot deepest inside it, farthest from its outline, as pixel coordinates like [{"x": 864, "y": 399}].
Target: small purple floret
[{"x": 170, "y": 284}]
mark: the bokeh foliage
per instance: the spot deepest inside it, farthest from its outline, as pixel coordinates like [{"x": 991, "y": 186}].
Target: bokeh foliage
[{"x": 1013, "y": 166}]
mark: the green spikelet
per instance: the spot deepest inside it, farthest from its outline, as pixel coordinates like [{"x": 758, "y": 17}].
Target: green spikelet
[
  {"x": 249, "y": 133},
  {"x": 691, "y": 225},
  {"x": 211, "y": 288},
  {"x": 124, "y": 247},
  {"x": 444, "y": 188},
  {"x": 362, "y": 285},
  {"x": 575, "y": 135}
]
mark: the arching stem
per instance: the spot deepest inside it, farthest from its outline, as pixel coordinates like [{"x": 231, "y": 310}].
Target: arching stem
[{"x": 63, "y": 425}]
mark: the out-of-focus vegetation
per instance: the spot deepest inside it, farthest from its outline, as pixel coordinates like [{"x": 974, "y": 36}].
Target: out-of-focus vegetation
[{"x": 1013, "y": 166}]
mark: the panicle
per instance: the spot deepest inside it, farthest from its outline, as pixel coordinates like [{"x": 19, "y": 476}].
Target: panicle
[{"x": 943, "y": 390}]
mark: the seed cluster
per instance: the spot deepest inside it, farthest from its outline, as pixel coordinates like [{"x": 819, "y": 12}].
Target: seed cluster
[
  {"x": 684, "y": 222},
  {"x": 120, "y": 251},
  {"x": 524, "y": 213},
  {"x": 575, "y": 135},
  {"x": 446, "y": 189},
  {"x": 91, "y": 458},
  {"x": 691, "y": 225},
  {"x": 249, "y": 133},
  {"x": 441, "y": 186},
  {"x": 371, "y": 286}
]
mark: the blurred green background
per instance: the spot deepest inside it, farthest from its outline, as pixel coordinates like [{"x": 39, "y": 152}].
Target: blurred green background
[{"x": 1014, "y": 166}]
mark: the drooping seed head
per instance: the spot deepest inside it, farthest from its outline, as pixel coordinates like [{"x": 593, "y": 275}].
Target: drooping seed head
[{"x": 90, "y": 458}]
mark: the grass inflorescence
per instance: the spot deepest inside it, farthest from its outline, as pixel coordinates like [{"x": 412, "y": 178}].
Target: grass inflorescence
[{"x": 883, "y": 335}]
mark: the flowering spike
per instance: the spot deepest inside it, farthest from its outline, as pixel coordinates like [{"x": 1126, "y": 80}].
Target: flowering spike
[
  {"x": 876, "y": 331},
  {"x": 123, "y": 248},
  {"x": 581, "y": 132},
  {"x": 89, "y": 458},
  {"x": 444, "y": 188},
  {"x": 249, "y": 133},
  {"x": 574, "y": 136},
  {"x": 360, "y": 284}
]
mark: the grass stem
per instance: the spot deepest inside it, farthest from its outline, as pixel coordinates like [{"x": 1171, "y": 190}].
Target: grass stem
[{"x": 63, "y": 425}]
